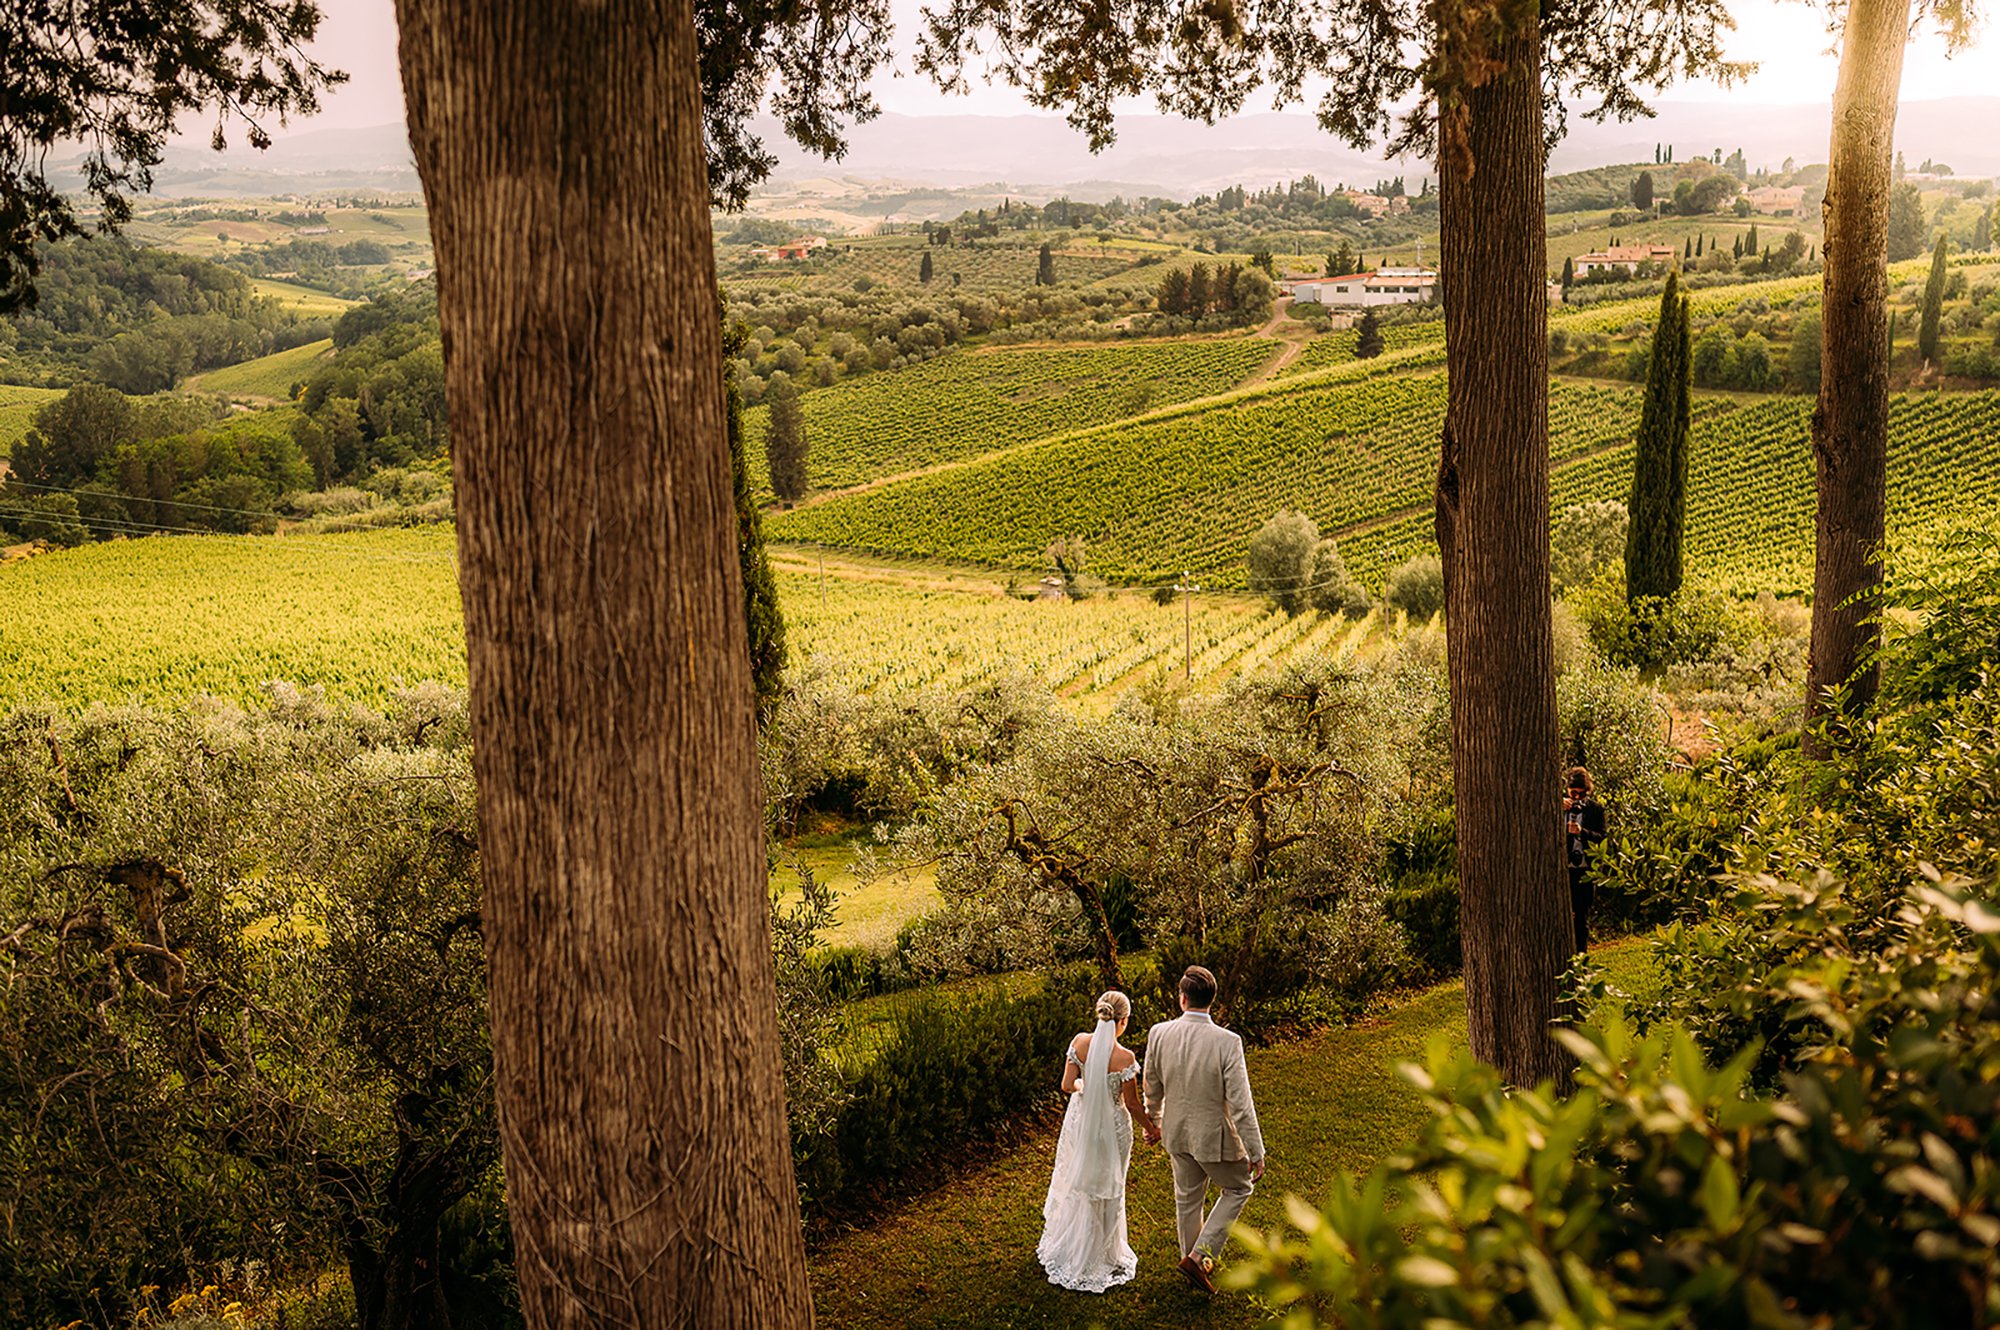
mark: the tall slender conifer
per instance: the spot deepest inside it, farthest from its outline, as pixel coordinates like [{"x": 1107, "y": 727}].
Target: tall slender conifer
[{"x": 1659, "y": 465}]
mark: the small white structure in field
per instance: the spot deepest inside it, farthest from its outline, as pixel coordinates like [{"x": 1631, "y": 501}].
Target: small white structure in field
[{"x": 1383, "y": 286}]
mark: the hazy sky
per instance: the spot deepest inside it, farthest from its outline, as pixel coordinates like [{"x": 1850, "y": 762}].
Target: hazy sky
[{"x": 1787, "y": 38}]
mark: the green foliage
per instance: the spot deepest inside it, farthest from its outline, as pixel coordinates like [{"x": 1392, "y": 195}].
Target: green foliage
[
  {"x": 947, "y": 1073},
  {"x": 247, "y": 946},
  {"x": 1368, "y": 336},
  {"x": 1845, "y": 1153},
  {"x": 785, "y": 443},
  {"x": 1658, "y": 505},
  {"x": 760, "y": 589},
  {"x": 1332, "y": 589},
  {"x": 1933, "y": 306},
  {"x": 1802, "y": 358},
  {"x": 1281, "y": 559},
  {"x": 1588, "y": 539},
  {"x": 142, "y": 319},
  {"x": 1426, "y": 908},
  {"x": 1416, "y": 587},
  {"x": 1653, "y": 631},
  {"x": 117, "y": 78},
  {"x": 132, "y": 467},
  {"x": 1906, "y": 223}
]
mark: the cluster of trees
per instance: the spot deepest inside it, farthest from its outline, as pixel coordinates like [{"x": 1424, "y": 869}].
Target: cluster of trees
[
  {"x": 380, "y": 400},
  {"x": 315, "y": 263},
  {"x": 816, "y": 338},
  {"x": 140, "y": 319},
  {"x": 1230, "y": 291},
  {"x": 1291, "y": 564},
  {"x": 96, "y": 464}
]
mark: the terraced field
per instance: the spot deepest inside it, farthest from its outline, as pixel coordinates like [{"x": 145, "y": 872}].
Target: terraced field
[{"x": 968, "y": 403}]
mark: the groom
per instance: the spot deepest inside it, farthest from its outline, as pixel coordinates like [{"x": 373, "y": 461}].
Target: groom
[{"x": 1198, "y": 1090}]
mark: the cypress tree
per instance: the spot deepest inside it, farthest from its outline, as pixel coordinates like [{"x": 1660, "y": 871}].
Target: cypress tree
[
  {"x": 925, "y": 270},
  {"x": 785, "y": 442},
  {"x": 1569, "y": 272},
  {"x": 1659, "y": 467},
  {"x": 1368, "y": 336},
  {"x": 760, "y": 589},
  {"x": 1045, "y": 269},
  {"x": 1927, "y": 331},
  {"x": 1697, "y": 245}
]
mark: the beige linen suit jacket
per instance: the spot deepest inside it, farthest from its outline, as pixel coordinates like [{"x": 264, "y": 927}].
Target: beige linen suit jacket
[{"x": 1198, "y": 1090}]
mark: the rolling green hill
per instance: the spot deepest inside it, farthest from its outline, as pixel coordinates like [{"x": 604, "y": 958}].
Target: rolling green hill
[
  {"x": 1153, "y": 498},
  {"x": 967, "y": 403},
  {"x": 268, "y": 378}
]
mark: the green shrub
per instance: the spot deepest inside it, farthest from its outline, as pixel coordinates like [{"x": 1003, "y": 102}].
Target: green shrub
[
  {"x": 1665, "y": 1193},
  {"x": 1417, "y": 587},
  {"x": 1426, "y": 907},
  {"x": 1656, "y": 631},
  {"x": 952, "y": 1070},
  {"x": 1264, "y": 974}
]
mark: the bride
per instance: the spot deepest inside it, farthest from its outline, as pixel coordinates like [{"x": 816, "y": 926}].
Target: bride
[{"x": 1083, "y": 1245}]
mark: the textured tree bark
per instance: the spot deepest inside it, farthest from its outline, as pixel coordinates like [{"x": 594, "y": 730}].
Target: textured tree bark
[
  {"x": 1850, "y": 425},
  {"x": 1493, "y": 528},
  {"x": 640, "y": 1093}
]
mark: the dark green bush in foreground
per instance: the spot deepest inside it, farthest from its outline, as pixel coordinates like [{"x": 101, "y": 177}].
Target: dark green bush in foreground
[
  {"x": 953, "y": 1069},
  {"x": 1842, "y": 1169}
]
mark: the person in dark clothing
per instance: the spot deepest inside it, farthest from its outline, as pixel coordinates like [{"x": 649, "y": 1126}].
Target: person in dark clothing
[{"x": 1583, "y": 830}]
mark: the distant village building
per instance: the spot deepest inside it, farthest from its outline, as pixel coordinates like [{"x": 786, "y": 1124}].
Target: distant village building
[
  {"x": 315, "y": 230},
  {"x": 1629, "y": 258},
  {"x": 796, "y": 252},
  {"x": 1372, "y": 204},
  {"x": 1384, "y": 286},
  {"x": 1777, "y": 200}
]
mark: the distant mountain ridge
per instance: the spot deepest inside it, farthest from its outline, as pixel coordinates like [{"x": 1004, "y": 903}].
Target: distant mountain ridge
[{"x": 1040, "y": 155}]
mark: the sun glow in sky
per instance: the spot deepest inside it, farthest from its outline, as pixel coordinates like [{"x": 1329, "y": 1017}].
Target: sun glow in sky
[{"x": 1787, "y": 38}]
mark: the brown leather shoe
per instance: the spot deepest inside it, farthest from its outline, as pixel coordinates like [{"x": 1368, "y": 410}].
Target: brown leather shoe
[{"x": 1197, "y": 1268}]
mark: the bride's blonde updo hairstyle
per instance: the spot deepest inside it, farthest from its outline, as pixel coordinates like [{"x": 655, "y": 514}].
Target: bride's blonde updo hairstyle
[{"x": 1114, "y": 1006}]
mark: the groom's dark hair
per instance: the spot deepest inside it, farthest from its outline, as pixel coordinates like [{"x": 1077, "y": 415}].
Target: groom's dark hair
[{"x": 1197, "y": 986}]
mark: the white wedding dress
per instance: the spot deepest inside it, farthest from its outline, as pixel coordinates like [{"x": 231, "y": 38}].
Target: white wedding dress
[{"x": 1083, "y": 1245}]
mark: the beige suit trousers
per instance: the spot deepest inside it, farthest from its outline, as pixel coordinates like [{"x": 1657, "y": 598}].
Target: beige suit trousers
[{"x": 1192, "y": 1177}]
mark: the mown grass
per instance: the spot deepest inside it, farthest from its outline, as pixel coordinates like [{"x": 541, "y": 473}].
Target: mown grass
[
  {"x": 267, "y": 377},
  {"x": 865, "y": 914},
  {"x": 964, "y": 1255}
]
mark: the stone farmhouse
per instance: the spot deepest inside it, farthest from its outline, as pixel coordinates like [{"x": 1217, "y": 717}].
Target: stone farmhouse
[
  {"x": 1776, "y": 200},
  {"x": 1626, "y": 257},
  {"x": 797, "y": 251},
  {"x": 1383, "y": 286}
]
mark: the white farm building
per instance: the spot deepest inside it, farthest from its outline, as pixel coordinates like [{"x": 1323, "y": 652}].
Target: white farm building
[{"x": 1384, "y": 286}]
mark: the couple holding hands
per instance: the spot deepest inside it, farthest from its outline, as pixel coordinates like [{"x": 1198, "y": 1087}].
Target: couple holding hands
[{"x": 1196, "y": 1103}]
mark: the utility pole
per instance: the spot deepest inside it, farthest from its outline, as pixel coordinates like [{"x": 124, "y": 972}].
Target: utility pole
[{"x": 1187, "y": 587}]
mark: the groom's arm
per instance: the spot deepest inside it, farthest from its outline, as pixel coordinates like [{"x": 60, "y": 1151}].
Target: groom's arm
[
  {"x": 1154, "y": 1090},
  {"x": 1242, "y": 1109}
]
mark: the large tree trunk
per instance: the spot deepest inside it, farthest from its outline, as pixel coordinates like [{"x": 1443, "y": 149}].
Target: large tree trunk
[
  {"x": 1493, "y": 527},
  {"x": 640, "y": 1095},
  {"x": 1850, "y": 426}
]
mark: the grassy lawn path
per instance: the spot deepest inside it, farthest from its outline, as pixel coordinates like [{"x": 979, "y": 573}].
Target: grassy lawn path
[{"x": 965, "y": 1254}]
